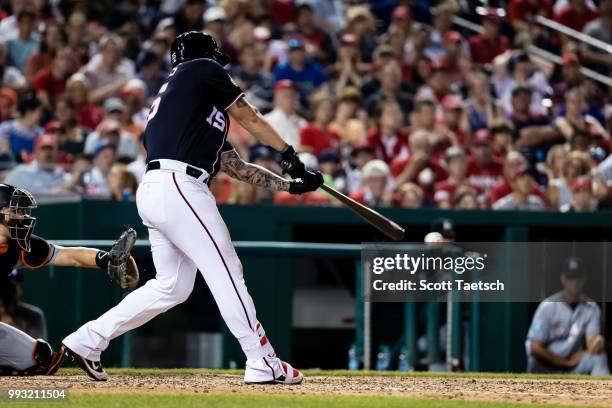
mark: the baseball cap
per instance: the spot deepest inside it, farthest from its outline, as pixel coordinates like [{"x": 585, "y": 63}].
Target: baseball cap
[
  {"x": 401, "y": 13},
  {"x": 375, "y": 168},
  {"x": 260, "y": 151},
  {"x": 452, "y": 101},
  {"x": 7, "y": 161},
  {"x": 570, "y": 58},
  {"x": 285, "y": 84},
  {"x": 216, "y": 13},
  {"x": 295, "y": 44},
  {"x": 350, "y": 93},
  {"x": 109, "y": 125},
  {"x": 441, "y": 195},
  {"x": 452, "y": 37},
  {"x": 519, "y": 171},
  {"x": 492, "y": 14},
  {"x": 46, "y": 140},
  {"x": 358, "y": 12},
  {"x": 134, "y": 87},
  {"x": 78, "y": 77},
  {"x": 453, "y": 152},
  {"x": 160, "y": 36},
  {"x": 520, "y": 57},
  {"x": 329, "y": 156},
  {"x": 574, "y": 268},
  {"x": 146, "y": 58},
  {"x": 261, "y": 33},
  {"x": 383, "y": 50},
  {"x": 502, "y": 127},
  {"x": 361, "y": 147},
  {"x": 482, "y": 137},
  {"x": 101, "y": 145},
  {"x": 310, "y": 161},
  {"x": 113, "y": 105},
  {"x": 54, "y": 126},
  {"x": 444, "y": 227}
]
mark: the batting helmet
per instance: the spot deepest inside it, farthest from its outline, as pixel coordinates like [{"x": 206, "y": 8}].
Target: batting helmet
[
  {"x": 444, "y": 227},
  {"x": 16, "y": 205},
  {"x": 195, "y": 44}
]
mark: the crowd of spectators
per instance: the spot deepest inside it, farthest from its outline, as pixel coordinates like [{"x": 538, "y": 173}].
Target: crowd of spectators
[{"x": 392, "y": 101}]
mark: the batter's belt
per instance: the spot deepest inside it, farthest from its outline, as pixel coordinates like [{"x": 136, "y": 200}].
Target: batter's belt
[{"x": 179, "y": 167}]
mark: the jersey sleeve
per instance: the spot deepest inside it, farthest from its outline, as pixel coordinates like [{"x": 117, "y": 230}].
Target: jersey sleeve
[
  {"x": 593, "y": 327},
  {"x": 540, "y": 325},
  {"x": 41, "y": 253},
  {"x": 227, "y": 146},
  {"x": 219, "y": 85}
]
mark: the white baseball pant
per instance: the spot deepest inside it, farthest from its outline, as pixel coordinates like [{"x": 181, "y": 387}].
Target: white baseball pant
[{"x": 187, "y": 234}]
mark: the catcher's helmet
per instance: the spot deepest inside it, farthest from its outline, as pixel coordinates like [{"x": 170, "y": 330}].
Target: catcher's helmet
[
  {"x": 16, "y": 205},
  {"x": 193, "y": 45}
]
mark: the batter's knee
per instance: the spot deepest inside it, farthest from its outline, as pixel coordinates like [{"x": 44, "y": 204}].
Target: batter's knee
[
  {"x": 174, "y": 292},
  {"x": 182, "y": 294}
]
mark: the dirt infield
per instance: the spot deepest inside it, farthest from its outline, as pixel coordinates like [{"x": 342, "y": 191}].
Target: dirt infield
[{"x": 515, "y": 390}]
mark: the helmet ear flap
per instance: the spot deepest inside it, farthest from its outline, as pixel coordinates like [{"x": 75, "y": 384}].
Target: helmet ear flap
[{"x": 221, "y": 58}]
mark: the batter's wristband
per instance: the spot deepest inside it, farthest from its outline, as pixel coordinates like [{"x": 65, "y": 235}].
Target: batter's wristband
[{"x": 102, "y": 259}]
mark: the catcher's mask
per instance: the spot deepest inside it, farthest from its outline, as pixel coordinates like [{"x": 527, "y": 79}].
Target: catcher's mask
[{"x": 17, "y": 205}]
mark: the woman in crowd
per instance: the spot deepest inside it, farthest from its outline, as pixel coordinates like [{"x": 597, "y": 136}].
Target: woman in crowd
[{"x": 121, "y": 183}]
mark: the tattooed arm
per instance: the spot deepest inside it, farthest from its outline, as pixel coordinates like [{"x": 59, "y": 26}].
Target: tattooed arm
[
  {"x": 250, "y": 118},
  {"x": 235, "y": 167},
  {"x": 253, "y": 121}
]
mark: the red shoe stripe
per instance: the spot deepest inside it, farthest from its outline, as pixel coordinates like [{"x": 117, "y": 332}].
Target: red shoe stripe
[
  {"x": 263, "y": 341},
  {"x": 296, "y": 373}
]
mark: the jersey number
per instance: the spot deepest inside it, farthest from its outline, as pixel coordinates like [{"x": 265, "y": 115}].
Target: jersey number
[
  {"x": 156, "y": 102},
  {"x": 216, "y": 119}
]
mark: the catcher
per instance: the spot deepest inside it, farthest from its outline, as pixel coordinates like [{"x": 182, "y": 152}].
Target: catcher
[{"x": 21, "y": 354}]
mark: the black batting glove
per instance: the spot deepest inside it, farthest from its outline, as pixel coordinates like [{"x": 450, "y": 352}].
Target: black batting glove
[
  {"x": 291, "y": 164},
  {"x": 310, "y": 181}
]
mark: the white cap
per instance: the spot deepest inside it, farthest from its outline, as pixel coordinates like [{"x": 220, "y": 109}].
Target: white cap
[
  {"x": 375, "y": 168},
  {"x": 135, "y": 83},
  {"x": 433, "y": 237},
  {"x": 214, "y": 13},
  {"x": 261, "y": 33},
  {"x": 309, "y": 160}
]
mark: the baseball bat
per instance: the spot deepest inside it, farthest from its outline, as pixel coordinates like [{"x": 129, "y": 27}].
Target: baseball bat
[{"x": 383, "y": 224}]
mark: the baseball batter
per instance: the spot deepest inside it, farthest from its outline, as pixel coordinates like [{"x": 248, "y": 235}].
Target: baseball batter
[
  {"x": 20, "y": 353},
  {"x": 186, "y": 145}
]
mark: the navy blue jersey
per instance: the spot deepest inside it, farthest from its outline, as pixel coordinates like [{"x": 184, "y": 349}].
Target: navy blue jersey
[{"x": 188, "y": 119}]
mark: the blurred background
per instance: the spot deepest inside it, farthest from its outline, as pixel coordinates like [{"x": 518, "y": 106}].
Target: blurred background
[{"x": 495, "y": 115}]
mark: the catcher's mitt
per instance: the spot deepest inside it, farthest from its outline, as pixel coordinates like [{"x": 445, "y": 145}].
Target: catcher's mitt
[{"x": 122, "y": 268}]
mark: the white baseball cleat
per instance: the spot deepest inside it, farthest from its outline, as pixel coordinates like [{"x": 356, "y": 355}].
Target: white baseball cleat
[{"x": 271, "y": 370}]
